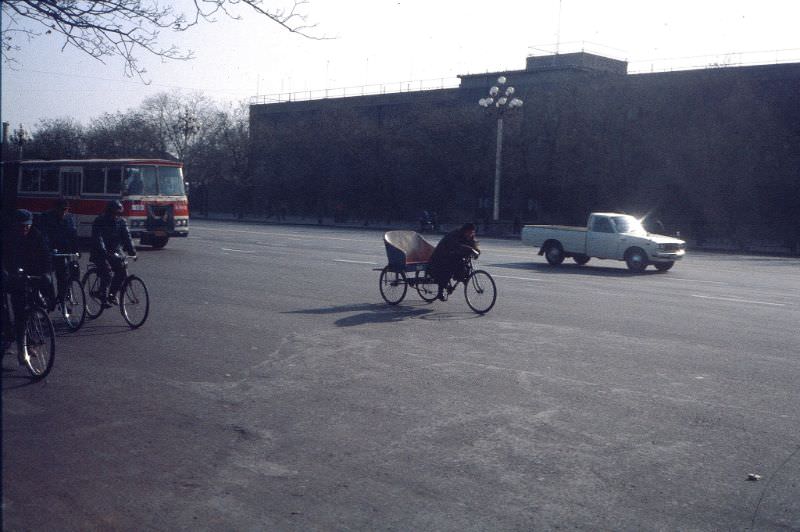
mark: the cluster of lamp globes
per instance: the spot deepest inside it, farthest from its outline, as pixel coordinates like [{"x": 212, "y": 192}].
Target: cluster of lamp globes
[{"x": 499, "y": 100}]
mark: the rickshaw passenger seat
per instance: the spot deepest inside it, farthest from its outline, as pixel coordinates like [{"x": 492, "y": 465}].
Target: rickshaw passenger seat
[{"x": 405, "y": 248}]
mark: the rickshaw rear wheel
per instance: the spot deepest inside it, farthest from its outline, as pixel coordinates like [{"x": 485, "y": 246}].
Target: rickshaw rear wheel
[{"x": 393, "y": 285}]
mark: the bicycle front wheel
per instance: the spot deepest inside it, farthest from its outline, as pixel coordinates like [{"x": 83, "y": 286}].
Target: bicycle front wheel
[
  {"x": 393, "y": 286},
  {"x": 74, "y": 306},
  {"x": 134, "y": 302},
  {"x": 40, "y": 343},
  {"x": 94, "y": 298},
  {"x": 480, "y": 291}
]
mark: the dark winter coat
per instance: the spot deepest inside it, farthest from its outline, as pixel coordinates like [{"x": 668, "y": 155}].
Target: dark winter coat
[
  {"x": 447, "y": 260},
  {"x": 31, "y": 252},
  {"x": 62, "y": 233},
  {"x": 110, "y": 236}
]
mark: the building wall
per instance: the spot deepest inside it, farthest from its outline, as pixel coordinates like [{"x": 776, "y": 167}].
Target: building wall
[{"x": 711, "y": 153}]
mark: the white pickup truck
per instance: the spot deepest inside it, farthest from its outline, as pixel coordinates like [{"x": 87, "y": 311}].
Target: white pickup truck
[{"x": 607, "y": 235}]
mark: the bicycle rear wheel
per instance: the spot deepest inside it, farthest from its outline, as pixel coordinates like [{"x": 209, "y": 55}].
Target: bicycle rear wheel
[
  {"x": 94, "y": 298},
  {"x": 134, "y": 302},
  {"x": 480, "y": 291},
  {"x": 40, "y": 343},
  {"x": 393, "y": 286},
  {"x": 74, "y": 305},
  {"x": 426, "y": 287}
]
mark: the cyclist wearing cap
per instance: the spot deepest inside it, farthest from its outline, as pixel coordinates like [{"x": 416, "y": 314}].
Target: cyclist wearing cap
[
  {"x": 24, "y": 248},
  {"x": 110, "y": 236},
  {"x": 59, "y": 227}
]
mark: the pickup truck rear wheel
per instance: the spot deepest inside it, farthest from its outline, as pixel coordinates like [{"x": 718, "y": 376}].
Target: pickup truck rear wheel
[
  {"x": 636, "y": 260},
  {"x": 554, "y": 254},
  {"x": 580, "y": 259}
]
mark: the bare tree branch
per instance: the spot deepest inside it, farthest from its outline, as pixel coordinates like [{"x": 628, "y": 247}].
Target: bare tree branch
[{"x": 127, "y": 28}]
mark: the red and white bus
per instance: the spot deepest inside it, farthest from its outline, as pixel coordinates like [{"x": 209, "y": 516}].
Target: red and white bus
[{"x": 151, "y": 191}]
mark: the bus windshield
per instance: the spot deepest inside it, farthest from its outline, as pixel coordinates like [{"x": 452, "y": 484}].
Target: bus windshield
[
  {"x": 170, "y": 181},
  {"x": 154, "y": 180},
  {"x": 141, "y": 180}
]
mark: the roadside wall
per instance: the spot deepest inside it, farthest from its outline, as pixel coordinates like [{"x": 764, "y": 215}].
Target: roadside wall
[{"x": 713, "y": 154}]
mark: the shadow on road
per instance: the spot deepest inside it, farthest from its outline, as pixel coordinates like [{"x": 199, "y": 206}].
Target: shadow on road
[
  {"x": 18, "y": 378},
  {"x": 575, "y": 269},
  {"x": 94, "y": 330},
  {"x": 369, "y": 313},
  {"x": 447, "y": 316}
]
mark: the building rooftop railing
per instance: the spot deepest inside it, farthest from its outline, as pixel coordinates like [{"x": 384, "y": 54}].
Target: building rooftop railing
[
  {"x": 635, "y": 66},
  {"x": 363, "y": 90}
]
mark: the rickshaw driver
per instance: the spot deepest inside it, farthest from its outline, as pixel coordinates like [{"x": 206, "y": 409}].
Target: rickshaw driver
[{"x": 448, "y": 260}]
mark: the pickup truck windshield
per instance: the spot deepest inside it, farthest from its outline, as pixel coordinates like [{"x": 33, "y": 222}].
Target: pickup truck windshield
[{"x": 628, "y": 224}]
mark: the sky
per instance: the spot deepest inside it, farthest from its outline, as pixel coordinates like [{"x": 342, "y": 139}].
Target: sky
[{"x": 390, "y": 45}]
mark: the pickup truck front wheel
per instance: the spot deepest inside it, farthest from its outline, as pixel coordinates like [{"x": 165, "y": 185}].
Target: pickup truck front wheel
[
  {"x": 636, "y": 259},
  {"x": 554, "y": 254},
  {"x": 664, "y": 266}
]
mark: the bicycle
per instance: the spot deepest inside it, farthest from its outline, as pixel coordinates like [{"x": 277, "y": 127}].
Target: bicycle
[
  {"x": 133, "y": 298},
  {"x": 39, "y": 338},
  {"x": 72, "y": 306},
  {"x": 480, "y": 290}
]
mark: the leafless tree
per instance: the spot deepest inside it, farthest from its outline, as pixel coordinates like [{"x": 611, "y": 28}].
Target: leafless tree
[
  {"x": 127, "y": 28},
  {"x": 177, "y": 118}
]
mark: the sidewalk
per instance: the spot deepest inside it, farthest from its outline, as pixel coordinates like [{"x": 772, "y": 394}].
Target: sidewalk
[
  {"x": 328, "y": 221},
  {"x": 505, "y": 232}
]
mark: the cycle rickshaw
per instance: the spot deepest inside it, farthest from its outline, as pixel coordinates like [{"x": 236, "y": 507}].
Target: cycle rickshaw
[{"x": 409, "y": 256}]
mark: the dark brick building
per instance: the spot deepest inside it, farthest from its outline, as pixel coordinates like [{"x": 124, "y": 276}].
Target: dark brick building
[{"x": 713, "y": 153}]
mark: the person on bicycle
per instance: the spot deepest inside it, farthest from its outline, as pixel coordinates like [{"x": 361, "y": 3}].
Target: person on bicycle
[
  {"x": 24, "y": 248},
  {"x": 110, "y": 236},
  {"x": 62, "y": 233},
  {"x": 449, "y": 258}
]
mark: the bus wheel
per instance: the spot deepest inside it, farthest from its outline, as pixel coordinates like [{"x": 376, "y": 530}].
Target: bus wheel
[{"x": 157, "y": 242}]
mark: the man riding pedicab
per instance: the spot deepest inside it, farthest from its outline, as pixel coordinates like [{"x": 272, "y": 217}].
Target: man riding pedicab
[{"x": 449, "y": 259}]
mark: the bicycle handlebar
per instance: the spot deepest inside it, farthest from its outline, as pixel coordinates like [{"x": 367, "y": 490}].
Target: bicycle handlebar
[
  {"x": 20, "y": 273},
  {"x": 125, "y": 257}
]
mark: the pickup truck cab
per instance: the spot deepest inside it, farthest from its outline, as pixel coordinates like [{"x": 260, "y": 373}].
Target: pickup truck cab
[{"x": 607, "y": 235}]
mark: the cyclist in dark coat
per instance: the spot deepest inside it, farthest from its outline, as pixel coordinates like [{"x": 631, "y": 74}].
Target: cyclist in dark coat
[
  {"x": 110, "y": 236},
  {"x": 24, "y": 248},
  {"x": 448, "y": 260},
  {"x": 62, "y": 233}
]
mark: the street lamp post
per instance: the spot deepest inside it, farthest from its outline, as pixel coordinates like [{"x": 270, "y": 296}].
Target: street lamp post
[
  {"x": 500, "y": 99},
  {"x": 21, "y": 137}
]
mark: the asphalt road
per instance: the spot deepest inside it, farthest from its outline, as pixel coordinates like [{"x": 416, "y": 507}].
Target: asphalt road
[{"x": 272, "y": 389}]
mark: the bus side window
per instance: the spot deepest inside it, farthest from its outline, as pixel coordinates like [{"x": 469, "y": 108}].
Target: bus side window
[
  {"x": 93, "y": 180},
  {"x": 30, "y": 180},
  {"x": 49, "y": 179},
  {"x": 114, "y": 180}
]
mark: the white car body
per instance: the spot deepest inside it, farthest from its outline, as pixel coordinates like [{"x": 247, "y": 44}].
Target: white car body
[{"x": 607, "y": 235}]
